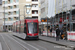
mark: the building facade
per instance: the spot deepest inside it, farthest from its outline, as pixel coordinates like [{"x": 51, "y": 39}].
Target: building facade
[
  {"x": 44, "y": 8},
  {"x": 1, "y": 16},
  {"x": 12, "y": 12},
  {"x": 64, "y": 14}
]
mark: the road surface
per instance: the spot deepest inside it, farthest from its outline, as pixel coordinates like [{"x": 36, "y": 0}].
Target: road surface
[{"x": 9, "y": 42}]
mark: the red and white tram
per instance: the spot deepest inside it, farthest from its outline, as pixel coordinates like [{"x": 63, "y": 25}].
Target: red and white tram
[{"x": 29, "y": 26}]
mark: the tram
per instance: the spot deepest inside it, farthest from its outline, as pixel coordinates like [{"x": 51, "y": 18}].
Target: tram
[{"x": 29, "y": 26}]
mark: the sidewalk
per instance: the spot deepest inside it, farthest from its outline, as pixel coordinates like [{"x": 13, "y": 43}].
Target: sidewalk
[{"x": 60, "y": 42}]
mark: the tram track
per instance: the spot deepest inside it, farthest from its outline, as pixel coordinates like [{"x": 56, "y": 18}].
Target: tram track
[
  {"x": 62, "y": 45},
  {"x": 8, "y": 47},
  {"x": 24, "y": 47},
  {"x": 23, "y": 44},
  {"x": 6, "y": 43}
]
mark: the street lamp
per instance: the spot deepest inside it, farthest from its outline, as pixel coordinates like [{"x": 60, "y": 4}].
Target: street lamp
[
  {"x": 4, "y": 18},
  {"x": 70, "y": 20},
  {"x": 26, "y": 9}
]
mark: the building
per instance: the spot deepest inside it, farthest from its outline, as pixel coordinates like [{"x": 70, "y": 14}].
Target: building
[
  {"x": 64, "y": 13},
  {"x": 12, "y": 8},
  {"x": 1, "y": 16},
  {"x": 44, "y": 8}
]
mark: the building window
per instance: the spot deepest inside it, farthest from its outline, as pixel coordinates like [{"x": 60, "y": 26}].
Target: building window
[
  {"x": 11, "y": 1},
  {"x": 8, "y": 1},
  {"x": 17, "y": 6},
  {"x": 6, "y": 13},
  {"x": 11, "y": 7},
  {"x": 11, "y": 19},
  {"x": 14, "y": 0},
  {"x": 34, "y": 16},
  {"x": 6, "y": 19},
  {"x": 17, "y": 12},
  {"x": 17, "y": 0},
  {"x": 35, "y": 12},
  {"x": 11, "y": 13},
  {"x": 34, "y": 5},
  {"x": 14, "y": 12},
  {"x": 5, "y": 2},
  {"x": 5, "y": 8},
  {"x": 34, "y": 0},
  {"x": 17, "y": 18}
]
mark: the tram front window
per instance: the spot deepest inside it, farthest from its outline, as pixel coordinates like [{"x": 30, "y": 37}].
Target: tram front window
[{"x": 32, "y": 28}]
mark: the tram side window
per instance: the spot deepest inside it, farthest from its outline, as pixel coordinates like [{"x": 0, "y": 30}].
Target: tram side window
[{"x": 25, "y": 28}]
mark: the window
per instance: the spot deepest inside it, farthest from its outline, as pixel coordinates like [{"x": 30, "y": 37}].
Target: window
[
  {"x": 17, "y": 6},
  {"x": 17, "y": 0},
  {"x": 35, "y": 17},
  {"x": 5, "y": 2},
  {"x": 32, "y": 27},
  {"x": 17, "y": 12},
  {"x": 34, "y": 0},
  {"x": 17, "y": 18},
  {"x": 11, "y": 7},
  {"x": 11, "y": 1},
  {"x": 6, "y": 19},
  {"x": 35, "y": 12},
  {"x": 11, "y": 19},
  {"x": 6, "y": 13}
]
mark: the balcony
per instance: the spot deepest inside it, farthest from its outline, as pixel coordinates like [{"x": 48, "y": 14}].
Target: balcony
[
  {"x": 16, "y": 15},
  {"x": 34, "y": 6},
  {"x": 6, "y": 5},
  {"x": 17, "y": 3},
  {"x": 15, "y": 9},
  {"x": 10, "y": 10},
  {"x": 35, "y": 15},
  {"x": 34, "y": 1}
]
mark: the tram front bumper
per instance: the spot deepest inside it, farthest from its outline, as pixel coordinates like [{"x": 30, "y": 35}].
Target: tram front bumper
[{"x": 32, "y": 37}]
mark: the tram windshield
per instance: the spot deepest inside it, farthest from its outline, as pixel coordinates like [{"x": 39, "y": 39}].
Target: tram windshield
[{"x": 32, "y": 27}]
